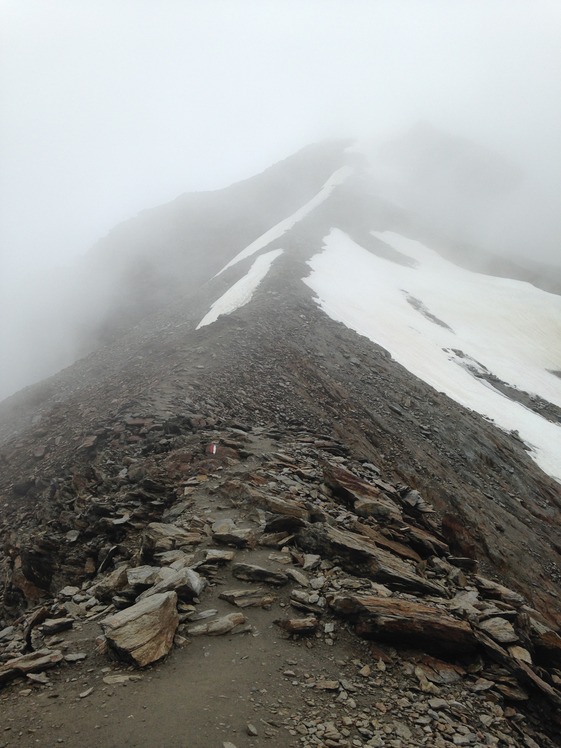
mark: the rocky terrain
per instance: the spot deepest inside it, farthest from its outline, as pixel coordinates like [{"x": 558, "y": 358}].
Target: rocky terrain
[
  {"x": 268, "y": 532},
  {"x": 284, "y": 543}
]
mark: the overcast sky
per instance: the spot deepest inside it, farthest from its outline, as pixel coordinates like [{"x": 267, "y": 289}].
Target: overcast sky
[{"x": 111, "y": 106}]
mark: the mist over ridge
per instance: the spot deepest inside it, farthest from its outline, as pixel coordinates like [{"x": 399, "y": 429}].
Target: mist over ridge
[
  {"x": 453, "y": 101},
  {"x": 280, "y": 373},
  {"x": 431, "y": 184}
]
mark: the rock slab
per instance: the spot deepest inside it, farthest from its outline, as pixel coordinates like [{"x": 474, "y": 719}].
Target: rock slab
[
  {"x": 144, "y": 632},
  {"x": 359, "y": 555},
  {"x": 417, "y": 624},
  {"x": 34, "y": 662}
]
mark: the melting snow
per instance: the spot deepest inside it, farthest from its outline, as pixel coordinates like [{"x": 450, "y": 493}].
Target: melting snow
[
  {"x": 242, "y": 291},
  {"x": 338, "y": 177},
  {"x": 508, "y": 326}
]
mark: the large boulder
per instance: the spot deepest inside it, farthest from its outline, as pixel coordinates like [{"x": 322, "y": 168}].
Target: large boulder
[
  {"x": 360, "y": 556},
  {"x": 144, "y": 632},
  {"x": 161, "y": 536},
  {"x": 33, "y": 570},
  {"x": 406, "y": 622},
  {"x": 109, "y": 584},
  {"x": 187, "y": 583},
  {"x": 363, "y": 498}
]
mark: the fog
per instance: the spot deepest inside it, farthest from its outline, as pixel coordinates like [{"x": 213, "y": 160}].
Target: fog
[{"x": 108, "y": 107}]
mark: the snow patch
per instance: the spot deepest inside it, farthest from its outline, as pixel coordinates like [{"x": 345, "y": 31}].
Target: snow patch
[
  {"x": 242, "y": 291},
  {"x": 510, "y": 327},
  {"x": 338, "y": 177}
]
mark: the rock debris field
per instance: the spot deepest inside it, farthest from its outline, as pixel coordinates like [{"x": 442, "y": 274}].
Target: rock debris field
[{"x": 242, "y": 586}]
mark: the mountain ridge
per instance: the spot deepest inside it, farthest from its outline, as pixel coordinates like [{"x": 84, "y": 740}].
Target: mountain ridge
[
  {"x": 284, "y": 394},
  {"x": 144, "y": 262}
]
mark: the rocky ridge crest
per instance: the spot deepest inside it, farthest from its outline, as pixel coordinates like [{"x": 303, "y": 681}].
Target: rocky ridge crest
[{"x": 275, "y": 492}]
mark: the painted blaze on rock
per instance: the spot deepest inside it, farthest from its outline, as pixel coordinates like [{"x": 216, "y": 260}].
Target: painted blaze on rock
[{"x": 144, "y": 632}]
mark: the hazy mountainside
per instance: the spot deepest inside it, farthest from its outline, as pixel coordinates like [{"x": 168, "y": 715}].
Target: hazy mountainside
[
  {"x": 180, "y": 245},
  {"x": 294, "y": 370},
  {"x": 148, "y": 260},
  {"x": 477, "y": 199},
  {"x": 443, "y": 162},
  {"x": 144, "y": 263}
]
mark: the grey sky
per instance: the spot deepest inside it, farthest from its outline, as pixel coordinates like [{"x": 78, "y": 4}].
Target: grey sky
[{"x": 111, "y": 106}]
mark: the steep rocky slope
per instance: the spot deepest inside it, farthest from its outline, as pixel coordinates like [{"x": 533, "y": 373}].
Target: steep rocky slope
[
  {"x": 182, "y": 441},
  {"x": 282, "y": 542}
]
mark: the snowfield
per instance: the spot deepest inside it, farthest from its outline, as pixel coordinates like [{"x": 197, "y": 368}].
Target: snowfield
[
  {"x": 338, "y": 177},
  {"x": 242, "y": 291},
  {"x": 508, "y": 326}
]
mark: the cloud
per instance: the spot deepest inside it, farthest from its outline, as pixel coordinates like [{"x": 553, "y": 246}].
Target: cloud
[{"x": 109, "y": 108}]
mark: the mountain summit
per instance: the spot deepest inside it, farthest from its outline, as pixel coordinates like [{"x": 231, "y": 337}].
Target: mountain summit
[{"x": 325, "y": 400}]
